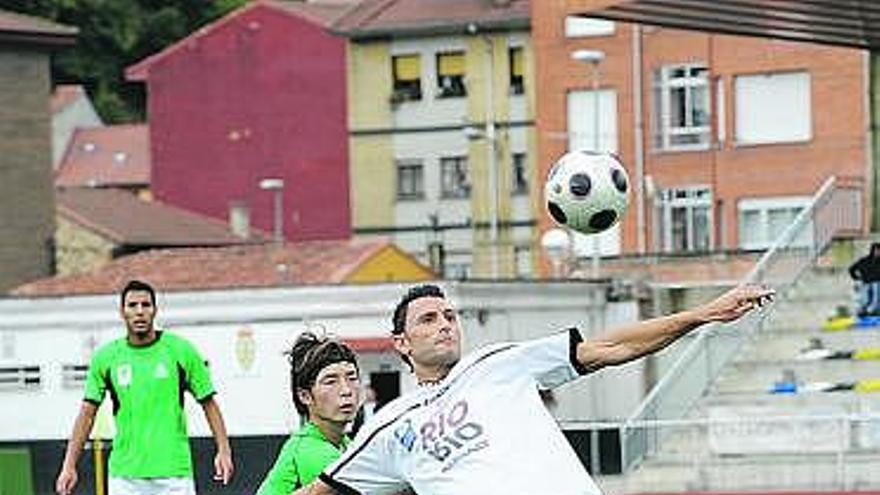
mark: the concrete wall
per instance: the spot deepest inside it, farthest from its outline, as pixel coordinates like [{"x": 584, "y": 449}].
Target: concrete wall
[
  {"x": 27, "y": 203},
  {"x": 79, "y": 113}
]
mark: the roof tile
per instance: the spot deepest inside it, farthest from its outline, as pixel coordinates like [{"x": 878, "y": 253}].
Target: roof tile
[
  {"x": 126, "y": 220},
  {"x": 109, "y": 156},
  {"x": 13, "y": 22},
  {"x": 315, "y": 262},
  {"x": 381, "y": 17}
]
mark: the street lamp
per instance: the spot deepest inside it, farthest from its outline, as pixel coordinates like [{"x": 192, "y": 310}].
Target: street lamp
[
  {"x": 276, "y": 185},
  {"x": 594, "y": 58},
  {"x": 557, "y": 246},
  {"x": 491, "y": 141}
]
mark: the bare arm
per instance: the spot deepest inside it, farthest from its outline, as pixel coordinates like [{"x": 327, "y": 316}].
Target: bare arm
[
  {"x": 632, "y": 342},
  {"x": 316, "y": 487},
  {"x": 67, "y": 478},
  {"x": 223, "y": 467}
]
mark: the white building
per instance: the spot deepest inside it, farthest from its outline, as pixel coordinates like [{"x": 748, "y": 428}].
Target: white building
[{"x": 45, "y": 345}]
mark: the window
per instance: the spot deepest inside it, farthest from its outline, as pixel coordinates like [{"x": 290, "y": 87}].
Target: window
[
  {"x": 681, "y": 107},
  {"x": 407, "y": 75},
  {"x": 410, "y": 183},
  {"x": 454, "y": 181},
  {"x": 450, "y": 74},
  {"x": 457, "y": 271},
  {"x": 773, "y": 108},
  {"x": 580, "y": 27},
  {"x": 73, "y": 375},
  {"x": 762, "y": 221},
  {"x": 592, "y": 120},
  {"x": 520, "y": 174},
  {"x": 517, "y": 68},
  {"x": 20, "y": 377},
  {"x": 685, "y": 219}
]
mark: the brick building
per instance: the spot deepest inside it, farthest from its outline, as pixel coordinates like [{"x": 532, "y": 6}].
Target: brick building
[
  {"x": 26, "y": 199},
  {"x": 725, "y": 138}
]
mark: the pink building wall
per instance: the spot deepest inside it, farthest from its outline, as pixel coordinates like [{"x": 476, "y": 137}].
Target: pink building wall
[{"x": 261, "y": 93}]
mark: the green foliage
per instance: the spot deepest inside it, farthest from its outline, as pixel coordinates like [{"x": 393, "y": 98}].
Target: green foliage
[{"x": 114, "y": 34}]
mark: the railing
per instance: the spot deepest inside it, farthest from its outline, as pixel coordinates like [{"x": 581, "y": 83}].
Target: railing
[
  {"x": 836, "y": 208},
  {"x": 734, "y": 450}
]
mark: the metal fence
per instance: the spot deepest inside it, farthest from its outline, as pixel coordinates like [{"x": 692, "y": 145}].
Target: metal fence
[{"x": 834, "y": 210}]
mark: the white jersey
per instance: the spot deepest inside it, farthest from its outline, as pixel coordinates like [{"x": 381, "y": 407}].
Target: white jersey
[{"x": 483, "y": 429}]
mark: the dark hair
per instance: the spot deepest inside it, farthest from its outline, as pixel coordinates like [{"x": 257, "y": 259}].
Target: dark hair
[
  {"x": 137, "y": 285},
  {"x": 399, "y": 319},
  {"x": 417, "y": 292},
  {"x": 308, "y": 356}
]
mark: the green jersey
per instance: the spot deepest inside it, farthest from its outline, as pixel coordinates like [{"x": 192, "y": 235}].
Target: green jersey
[
  {"x": 304, "y": 455},
  {"x": 147, "y": 385}
]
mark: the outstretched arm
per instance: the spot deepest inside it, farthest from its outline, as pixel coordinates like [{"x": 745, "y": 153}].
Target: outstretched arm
[
  {"x": 223, "y": 467},
  {"x": 632, "y": 342},
  {"x": 316, "y": 487},
  {"x": 67, "y": 478}
]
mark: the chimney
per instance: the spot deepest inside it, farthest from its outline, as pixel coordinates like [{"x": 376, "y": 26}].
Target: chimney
[{"x": 240, "y": 219}]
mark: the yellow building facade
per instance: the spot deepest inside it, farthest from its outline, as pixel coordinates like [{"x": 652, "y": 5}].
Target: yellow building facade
[{"x": 441, "y": 129}]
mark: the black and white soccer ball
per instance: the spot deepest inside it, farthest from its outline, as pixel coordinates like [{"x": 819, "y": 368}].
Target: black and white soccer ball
[{"x": 587, "y": 191}]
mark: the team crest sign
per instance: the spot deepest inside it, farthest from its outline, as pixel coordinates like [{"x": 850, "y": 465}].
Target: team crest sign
[{"x": 245, "y": 349}]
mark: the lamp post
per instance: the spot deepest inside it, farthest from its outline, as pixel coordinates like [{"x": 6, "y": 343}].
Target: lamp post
[
  {"x": 557, "y": 247},
  {"x": 594, "y": 58},
  {"x": 491, "y": 146},
  {"x": 276, "y": 185}
]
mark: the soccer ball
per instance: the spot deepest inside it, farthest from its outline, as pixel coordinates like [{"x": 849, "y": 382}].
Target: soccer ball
[{"x": 587, "y": 191}]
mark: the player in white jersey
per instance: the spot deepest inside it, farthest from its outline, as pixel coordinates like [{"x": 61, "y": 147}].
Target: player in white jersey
[{"x": 477, "y": 424}]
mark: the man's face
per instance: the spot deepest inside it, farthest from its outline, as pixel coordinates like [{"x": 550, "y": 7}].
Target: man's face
[
  {"x": 432, "y": 335},
  {"x": 138, "y": 312},
  {"x": 335, "y": 396}
]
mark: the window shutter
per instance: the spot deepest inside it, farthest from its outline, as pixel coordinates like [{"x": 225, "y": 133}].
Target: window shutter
[
  {"x": 516, "y": 62},
  {"x": 450, "y": 64},
  {"x": 407, "y": 67}
]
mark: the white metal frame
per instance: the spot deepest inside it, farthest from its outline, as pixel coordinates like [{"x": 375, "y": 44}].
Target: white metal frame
[
  {"x": 668, "y": 202},
  {"x": 834, "y": 209},
  {"x": 664, "y": 85},
  {"x": 763, "y": 207}
]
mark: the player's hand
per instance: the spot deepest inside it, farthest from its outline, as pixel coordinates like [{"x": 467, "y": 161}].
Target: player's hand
[
  {"x": 735, "y": 303},
  {"x": 66, "y": 481},
  {"x": 223, "y": 467}
]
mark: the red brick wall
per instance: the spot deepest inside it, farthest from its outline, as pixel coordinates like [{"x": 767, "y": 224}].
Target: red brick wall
[{"x": 839, "y": 137}]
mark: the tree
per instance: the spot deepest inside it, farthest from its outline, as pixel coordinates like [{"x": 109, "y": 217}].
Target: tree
[{"x": 114, "y": 34}]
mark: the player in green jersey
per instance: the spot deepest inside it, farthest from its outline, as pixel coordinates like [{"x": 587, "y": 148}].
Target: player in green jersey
[
  {"x": 325, "y": 385},
  {"x": 146, "y": 373}
]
